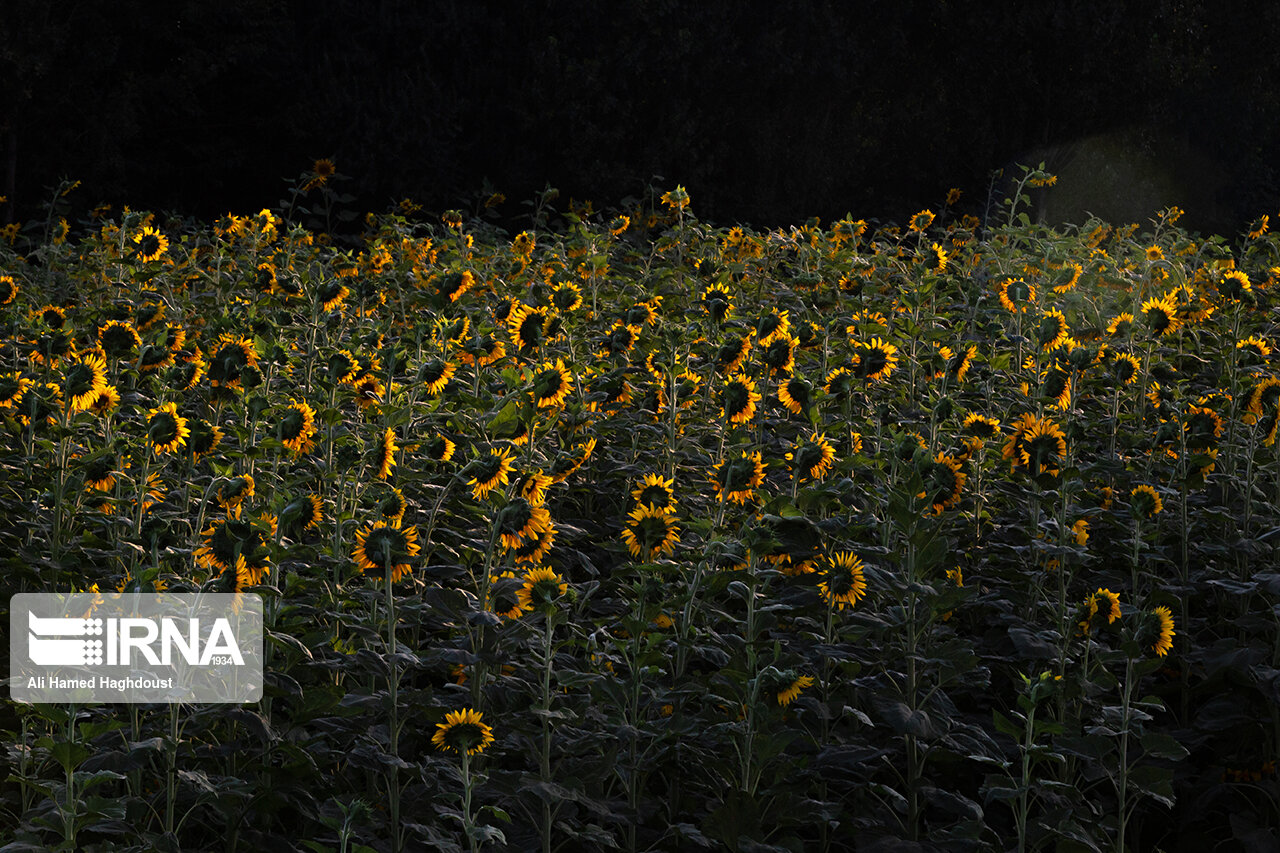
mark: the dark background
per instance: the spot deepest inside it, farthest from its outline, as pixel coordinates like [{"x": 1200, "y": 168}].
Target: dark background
[{"x": 767, "y": 113}]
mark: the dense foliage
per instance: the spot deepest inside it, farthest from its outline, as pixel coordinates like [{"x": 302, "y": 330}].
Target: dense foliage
[{"x": 631, "y": 531}]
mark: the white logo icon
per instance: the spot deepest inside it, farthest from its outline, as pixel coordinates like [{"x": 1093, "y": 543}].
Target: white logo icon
[{"x": 47, "y": 647}]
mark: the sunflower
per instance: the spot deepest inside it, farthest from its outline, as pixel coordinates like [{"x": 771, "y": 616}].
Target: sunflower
[
  {"x": 489, "y": 472},
  {"x": 839, "y": 384},
  {"x": 981, "y": 426},
  {"x": 1203, "y": 428},
  {"x": 1262, "y": 398},
  {"x": 656, "y": 491},
  {"x": 321, "y": 171},
  {"x": 1256, "y": 346},
  {"x": 920, "y": 221},
  {"x": 1080, "y": 531},
  {"x": 528, "y": 327},
  {"x": 118, "y": 339},
  {"x": 1235, "y": 285},
  {"x": 792, "y": 691},
  {"x": 551, "y": 384},
  {"x": 1125, "y": 367},
  {"x": 1037, "y": 444},
  {"x": 936, "y": 259},
  {"x": 717, "y": 302},
  {"x": 380, "y": 544},
  {"x": 736, "y": 479},
  {"x": 504, "y": 600},
  {"x": 393, "y": 506},
  {"x": 732, "y": 353},
  {"x": 302, "y": 513},
  {"x": 205, "y": 437},
  {"x": 237, "y": 549},
  {"x": 232, "y": 356},
  {"x": 566, "y": 297},
  {"x": 774, "y": 324},
  {"x": 521, "y": 521},
  {"x": 650, "y": 532},
  {"x": 534, "y": 551},
  {"x": 384, "y": 455},
  {"x": 435, "y": 375},
  {"x": 233, "y": 494},
  {"x": 676, "y": 199},
  {"x": 958, "y": 363},
  {"x": 297, "y": 427},
  {"x": 166, "y": 429},
  {"x": 738, "y": 398},
  {"x": 439, "y": 448},
  {"x": 795, "y": 394},
  {"x": 619, "y": 224},
  {"x": 1052, "y": 332},
  {"x": 813, "y": 458},
  {"x": 876, "y": 359},
  {"x": 643, "y": 313},
  {"x": 8, "y": 289},
  {"x": 150, "y": 245},
  {"x": 541, "y": 588},
  {"x": 1120, "y": 326},
  {"x": 83, "y": 382},
  {"x": 50, "y": 316},
  {"x": 107, "y": 401},
  {"x": 943, "y": 482},
  {"x": 1146, "y": 501},
  {"x": 1100, "y": 605},
  {"x": 1164, "y": 631},
  {"x": 332, "y": 294},
  {"x": 1016, "y": 295},
  {"x": 843, "y": 580},
  {"x": 100, "y": 472},
  {"x": 462, "y": 731},
  {"x": 1067, "y": 278},
  {"x": 369, "y": 391},
  {"x": 779, "y": 354},
  {"x": 1161, "y": 313}
]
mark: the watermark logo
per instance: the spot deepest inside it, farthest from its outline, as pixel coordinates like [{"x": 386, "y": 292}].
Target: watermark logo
[{"x": 135, "y": 647}]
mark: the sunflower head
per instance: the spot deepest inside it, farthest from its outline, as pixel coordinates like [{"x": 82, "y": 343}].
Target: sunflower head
[
  {"x": 150, "y": 245},
  {"x": 1016, "y": 295},
  {"x": 796, "y": 394},
  {"x": 488, "y": 472},
  {"x": 83, "y": 382},
  {"x": 738, "y": 398},
  {"x": 463, "y": 732},
  {"x": 551, "y": 384},
  {"x": 382, "y": 545},
  {"x": 1101, "y": 608},
  {"x": 737, "y": 479},
  {"x": 717, "y": 302},
  {"x": 650, "y": 531},
  {"x": 813, "y": 458},
  {"x": 876, "y": 359},
  {"x": 541, "y": 589},
  {"x": 1158, "y": 628},
  {"x": 1146, "y": 502},
  {"x": 166, "y": 429},
  {"x": 843, "y": 581}
]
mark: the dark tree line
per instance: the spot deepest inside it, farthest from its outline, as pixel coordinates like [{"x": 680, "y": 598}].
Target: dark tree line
[{"x": 767, "y": 113}]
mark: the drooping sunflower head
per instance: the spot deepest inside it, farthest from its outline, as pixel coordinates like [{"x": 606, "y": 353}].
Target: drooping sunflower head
[
  {"x": 236, "y": 549},
  {"x": 656, "y": 491},
  {"x": 383, "y": 545},
  {"x": 566, "y": 297},
  {"x": 521, "y": 521},
  {"x": 8, "y": 289},
  {"x": 166, "y": 429},
  {"x": 297, "y": 427},
  {"x": 233, "y": 493},
  {"x": 1016, "y": 295},
  {"x": 1203, "y": 427},
  {"x": 844, "y": 581},
  {"x": 779, "y": 354},
  {"x": 302, "y": 513},
  {"x": 439, "y": 447},
  {"x": 1159, "y": 630},
  {"x": 650, "y": 531},
  {"x": 920, "y": 221},
  {"x": 231, "y": 358},
  {"x": 489, "y": 472},
  {"x": 935, "y": 259},
  {"x": 83, "y": 382},
  {"x": 435, "y": 374},
  {"x": 118, "y": 339},
  {"x": 737, "y": 479},
  {"x": 813, "y": 458},
  {"x": 528, "y": 327},
  {"x": 773, "y": 324},
  {"x": 839, "y": 385},
  {"x": 1037, "y": 446},
  {"x": 981, "y": 426},
  {"x": 1161, "y": 314},
  {"x": 369, "y": 391},
  {"x": 876, "y": 359},
  {"x": 204, "y": 437},
  {"x": 551, "y": 384},
  {"x": 943, "y": 481},
  {"x": 1255, "y": 346},
  {"x": 384, "y": 453},
  {"x": 732, "y": 353},
  {"x": 738, "y": 399},
  {"x": 1235, "y": 285},
  {"x": 796, "y": 394},
  {"x": 1121, "y": 326},
  {"x": 1125, "y": 367},
  {"x": 463, "y": 732},
  {"x": 793, "y": 688},
  {"x": 1146, "y": 502},
  {"x": 1052, "y": 330},
  {"x": 717, "y": 302},
  {"x": 1101, "y": 608},
  {"x": 541, "y": 589},
  {"x": 343, "y": 367}
]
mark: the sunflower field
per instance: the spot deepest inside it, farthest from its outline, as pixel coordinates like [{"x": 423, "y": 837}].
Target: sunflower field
[{"x": 635, "y": 532}]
